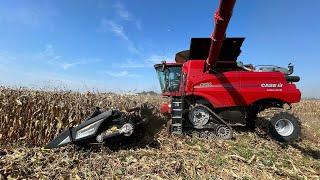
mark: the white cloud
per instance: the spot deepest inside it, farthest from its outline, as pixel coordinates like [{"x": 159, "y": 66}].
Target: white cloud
[
  {"x": 47, "y": 56},
  {"x": 122, "y": 74},
  {"x": 124, "y": 14},
  {"x": 146, "y": 63},
  {"x": 67, "y": 65},
  {"x": 5, "y": 57},
  {"x": 51, "y": 81},
  {"x": 122, "y": 11},
  {"x": 138, "y": 25},
  {"x": 32, "y": 14},
  {"x": 155, "y": 58},
  {"x": 24, "y": 16},
  {"x": 49, "y": 51},
  {"x": 33, "y": 70},
  {"x": 115, "y": 28},
  {"x": 118, "y": 30}
]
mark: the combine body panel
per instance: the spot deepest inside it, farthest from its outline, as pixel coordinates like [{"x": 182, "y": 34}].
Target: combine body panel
[
  {"x": 267, "y": 85},
  {"x": 237, "y": 88}
]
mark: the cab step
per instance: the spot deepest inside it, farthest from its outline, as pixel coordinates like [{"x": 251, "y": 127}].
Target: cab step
[{"x": 176, "y": 112}]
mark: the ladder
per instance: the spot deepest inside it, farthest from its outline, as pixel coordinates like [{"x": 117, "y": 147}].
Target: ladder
[{"x": 176, "y": 112}]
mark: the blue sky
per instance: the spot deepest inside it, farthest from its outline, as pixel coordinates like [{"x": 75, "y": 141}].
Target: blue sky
[{"x": 111, "y": 45}]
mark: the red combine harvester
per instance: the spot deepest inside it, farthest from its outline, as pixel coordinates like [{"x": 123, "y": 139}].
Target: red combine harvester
[{"x": 210, "y": 91}]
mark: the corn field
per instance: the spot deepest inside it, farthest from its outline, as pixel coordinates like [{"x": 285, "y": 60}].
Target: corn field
[
  {"x": 29, "y": 119},
  {"x": 37, "y": 116}
]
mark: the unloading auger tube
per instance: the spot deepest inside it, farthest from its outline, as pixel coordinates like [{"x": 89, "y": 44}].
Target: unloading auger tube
[{"x": 221, "y": 21}]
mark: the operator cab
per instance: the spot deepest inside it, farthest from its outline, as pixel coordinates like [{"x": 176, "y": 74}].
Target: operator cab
[{"x": 169, "y": 75}]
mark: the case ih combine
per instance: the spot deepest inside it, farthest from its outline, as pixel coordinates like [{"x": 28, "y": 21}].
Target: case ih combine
[{"x": 210, "y": 92}]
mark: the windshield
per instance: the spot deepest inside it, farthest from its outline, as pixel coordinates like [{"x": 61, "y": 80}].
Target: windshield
[{"x": 169, "y": 78}]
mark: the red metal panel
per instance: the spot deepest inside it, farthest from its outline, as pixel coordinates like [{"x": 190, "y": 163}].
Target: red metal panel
[
  {"x": 237, "y": 88},
  {"x": 220, "y": 89},
  {"x": 263, "y": 85}
]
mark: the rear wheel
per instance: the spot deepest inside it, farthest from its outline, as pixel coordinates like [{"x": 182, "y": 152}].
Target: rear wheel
[{"x": 285, "y": 127}]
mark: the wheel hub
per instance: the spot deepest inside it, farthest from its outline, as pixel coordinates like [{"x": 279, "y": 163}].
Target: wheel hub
[
  {"x": 284, "y": 127},
  {"x": 223, "y": 132},
  {"x": 199, "y": 117}
]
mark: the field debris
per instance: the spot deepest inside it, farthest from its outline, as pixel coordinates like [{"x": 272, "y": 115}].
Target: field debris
[{"x": 29, "y": 119}]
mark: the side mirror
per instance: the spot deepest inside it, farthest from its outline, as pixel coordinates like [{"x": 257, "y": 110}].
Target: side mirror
[
  {"x": 240, "y": 64},
  {"x": 290, "y": 68}
]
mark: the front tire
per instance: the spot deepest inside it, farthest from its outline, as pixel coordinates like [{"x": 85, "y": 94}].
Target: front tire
[{"x": 285, "y": 127}]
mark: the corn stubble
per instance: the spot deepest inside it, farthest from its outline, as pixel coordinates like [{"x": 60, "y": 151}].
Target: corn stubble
[{"x": 29, "y": 119}]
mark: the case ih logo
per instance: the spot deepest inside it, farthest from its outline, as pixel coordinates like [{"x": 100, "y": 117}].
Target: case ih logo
[{"x": 279, "y": 85}]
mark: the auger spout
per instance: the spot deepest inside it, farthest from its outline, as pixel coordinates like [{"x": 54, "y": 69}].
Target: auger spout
[{"x": 221, "y": 19}]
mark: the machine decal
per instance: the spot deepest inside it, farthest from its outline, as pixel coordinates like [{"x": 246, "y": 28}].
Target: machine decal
[
  {"x": 205, "y": 85},
  {"x": 274, "y": 89},
  {"x": 271, "y": 85},
  {"x": 210, "y": 85}
]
